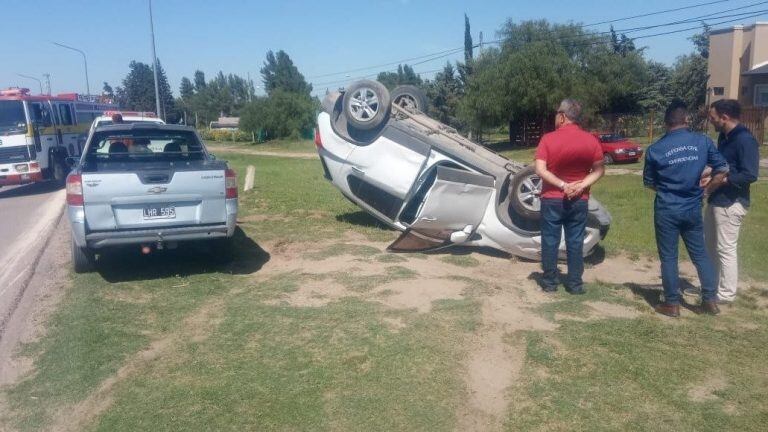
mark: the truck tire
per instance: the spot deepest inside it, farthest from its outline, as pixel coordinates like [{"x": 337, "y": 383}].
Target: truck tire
[
  {"x": 82, "y": 258},
  {"x": 410, "y": 97},
  {"x": 525, "y": 190},
  {"x": 366, "y": 105},
  {"x": 58, "y": 168}
]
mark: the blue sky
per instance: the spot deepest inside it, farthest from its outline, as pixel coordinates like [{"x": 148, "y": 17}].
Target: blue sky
[{"x": 320, "y": 36}]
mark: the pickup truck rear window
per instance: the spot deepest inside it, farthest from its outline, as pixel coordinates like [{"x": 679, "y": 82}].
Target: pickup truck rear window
[{"x": 132, "y": 149}]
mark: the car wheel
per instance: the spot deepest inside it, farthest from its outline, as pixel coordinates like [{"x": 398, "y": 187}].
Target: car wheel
[
  {"x": 607, "y": 159},
  {"x": 409, "y": 97},
  {"x": 526, "y": 194},
  {"x": 366, "y": 105},
  {"x": 82, "y": 258}
]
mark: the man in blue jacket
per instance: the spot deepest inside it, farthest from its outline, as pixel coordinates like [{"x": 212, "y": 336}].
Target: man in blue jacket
[
  {"x": 729, "y": 198},
  {"x": 673, "y": 168}
]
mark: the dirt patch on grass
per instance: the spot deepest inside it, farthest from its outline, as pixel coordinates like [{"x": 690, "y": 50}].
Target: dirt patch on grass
[
  {"x": 612, "y": 310},
  {"x": 313, "y": 293},
  {"x": 419, "y": 294},
  {"x": 706, "y": 391}
]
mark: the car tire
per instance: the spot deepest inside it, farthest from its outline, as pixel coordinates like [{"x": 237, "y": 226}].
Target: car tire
[
  {"x": 525, "y": 189},
  {"x": 607, "y": 159},
  {"x": 409, "y": 97},
  {"x": 366, "y": 105},
  {"x": 82, "y": 258}
]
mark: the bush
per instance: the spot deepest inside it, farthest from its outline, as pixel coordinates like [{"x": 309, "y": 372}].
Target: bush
[
  {"x": 280, "y": 115},
  {"x": 226, "y": 135}
]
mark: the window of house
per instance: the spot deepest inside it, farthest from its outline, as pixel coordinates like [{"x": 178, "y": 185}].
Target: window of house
[
  {"x": 718, "y": 91},
  {"x": 761, "y": 95}
]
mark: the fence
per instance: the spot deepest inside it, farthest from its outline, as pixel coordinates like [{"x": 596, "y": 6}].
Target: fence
[{"x": 755, "y": 119}]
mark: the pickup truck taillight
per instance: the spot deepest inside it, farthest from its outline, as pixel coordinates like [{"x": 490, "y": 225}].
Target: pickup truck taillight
[
  {"x": 230, "y": 183},
  {"x": 75, "y": 190}
]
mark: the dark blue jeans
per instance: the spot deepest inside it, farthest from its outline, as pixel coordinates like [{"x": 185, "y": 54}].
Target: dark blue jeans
[
  {"x": 558, "y": 215},
  {"x": 670, "y": 226}
]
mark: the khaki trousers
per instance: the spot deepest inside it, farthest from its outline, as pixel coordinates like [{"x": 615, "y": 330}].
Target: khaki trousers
[{"x": 721, "y": 232}]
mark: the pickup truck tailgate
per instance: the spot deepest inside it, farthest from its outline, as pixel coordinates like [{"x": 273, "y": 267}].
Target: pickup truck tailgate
[{"x": 149, "y": 199}]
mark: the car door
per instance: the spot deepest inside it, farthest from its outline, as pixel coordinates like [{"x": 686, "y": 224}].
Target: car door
[
  {"x": 69, "y": 131},
  {"x": 447, "y": 211},
  {"x": 381, "y": 174}
]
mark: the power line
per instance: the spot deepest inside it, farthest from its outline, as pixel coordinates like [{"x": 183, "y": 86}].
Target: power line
[
  {"x": 584, "y": 43},
  {"x": 447, "y": 52},
  {"x": 655, "y": 13}
]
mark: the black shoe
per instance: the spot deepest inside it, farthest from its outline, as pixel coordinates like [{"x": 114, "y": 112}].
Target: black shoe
[
  {"x": 549, "y": 289},
  {"x": 576, "y": 291}
]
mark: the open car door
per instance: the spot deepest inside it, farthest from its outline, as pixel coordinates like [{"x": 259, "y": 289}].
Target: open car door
[{"x": 449, "y": 213}]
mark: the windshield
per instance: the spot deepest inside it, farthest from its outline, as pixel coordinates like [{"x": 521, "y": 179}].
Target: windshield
[
  {"x": 12, "y": 119},
  {"x": 126, "y": 149},
  {"x": 609, "y": 138}
]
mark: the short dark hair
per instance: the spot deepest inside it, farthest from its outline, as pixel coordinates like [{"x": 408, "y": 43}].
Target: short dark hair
[
  {"x": 676, "y": 113},
  {"x": 729, "y": 107}
]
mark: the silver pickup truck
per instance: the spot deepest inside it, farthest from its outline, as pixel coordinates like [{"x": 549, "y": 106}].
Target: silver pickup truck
[{"x": 148, "y": 185}]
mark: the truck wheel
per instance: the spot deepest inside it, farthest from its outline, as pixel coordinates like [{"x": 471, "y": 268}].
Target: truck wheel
[
  {"x": 57, "y": 169},
  {"x": 366, "y": 105},
  {"x": 526, "y": 194},
  {"x": 82, "y": 258},
  {"x": 410, "y": 97}
]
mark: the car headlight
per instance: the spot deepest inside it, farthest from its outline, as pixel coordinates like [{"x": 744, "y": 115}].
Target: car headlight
[
  {"x": 21, "y": 167},
  {"x": 620, "y": 151}
]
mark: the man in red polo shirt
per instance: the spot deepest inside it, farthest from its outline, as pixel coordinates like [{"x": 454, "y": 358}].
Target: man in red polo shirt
[{"x": 569, "y": 161}]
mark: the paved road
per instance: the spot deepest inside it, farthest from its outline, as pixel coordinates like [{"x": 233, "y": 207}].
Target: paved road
[
  {"x": 19, "y": 206},
  {"x": 28, "y": 216}
]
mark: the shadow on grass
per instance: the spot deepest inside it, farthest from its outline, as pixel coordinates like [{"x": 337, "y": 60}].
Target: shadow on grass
[
  {"x": 239, "y": 256},
  {"x": 652, "y": 294},
  {"x": 361, "y": 218}
]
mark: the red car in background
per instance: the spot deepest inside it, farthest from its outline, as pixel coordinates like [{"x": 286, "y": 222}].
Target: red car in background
[{"x": 616, "y": 148}]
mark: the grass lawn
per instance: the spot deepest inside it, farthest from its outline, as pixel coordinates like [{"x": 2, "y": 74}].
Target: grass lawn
[
  {"x": 289, "y": 146},
  {"x": 302, "y": 331}
]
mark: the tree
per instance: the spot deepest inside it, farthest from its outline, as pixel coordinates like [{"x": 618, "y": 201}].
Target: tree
[
  {"x": 656, "y": 90},
  {"x": 186, "y": 89},
  {"x": 107, "y": 92},
  {"x": 405, "y": 75},
  {"x": 468, "y": 46},
  {"x": 139, "y": 87},
  {"x": 199, "y": 80},
  {"x": 279, "y": 73},
  {"x": 138, "y": 91},
  {"x": 279, "y": 115},
  {"x": 444, "y": 93},
  {"x": 689, "y": 76}
]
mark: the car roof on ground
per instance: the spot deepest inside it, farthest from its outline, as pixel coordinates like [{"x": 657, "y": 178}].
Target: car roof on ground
[{"x": 130, "y": 127}]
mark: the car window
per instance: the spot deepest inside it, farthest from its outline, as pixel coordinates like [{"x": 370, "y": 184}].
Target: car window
[
  {"x": 131, "y": 148},
  {"x": 609, "y": 138}
]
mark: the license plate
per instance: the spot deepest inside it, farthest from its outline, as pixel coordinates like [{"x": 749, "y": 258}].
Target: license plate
[
  {"x": 632, "y": 153},
  {"x": 160, "y": 212}
]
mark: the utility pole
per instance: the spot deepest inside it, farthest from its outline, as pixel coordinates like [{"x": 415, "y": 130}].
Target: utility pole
[
  {"x": 480, "y": 45},
  {"x": 85, "y": 62},
  {"x": 47, "y": 77},
  {"x": 154, "y": 63}
]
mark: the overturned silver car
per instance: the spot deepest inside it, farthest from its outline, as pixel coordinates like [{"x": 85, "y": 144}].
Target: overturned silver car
[{"x": 423, "y": 178}]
